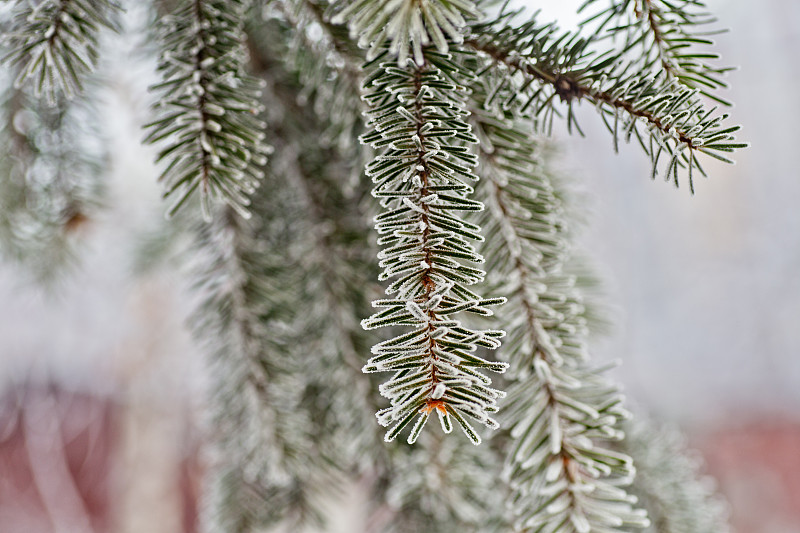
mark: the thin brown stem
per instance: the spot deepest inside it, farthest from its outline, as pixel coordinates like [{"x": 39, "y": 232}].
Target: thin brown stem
[
  {"x": 427, "y": 282},
  {"x": 568, "y": 88},
  {"x": 570, "y": 466},
  {"x": 649, "y": 11},
  {"x": 199, "y": 57}
]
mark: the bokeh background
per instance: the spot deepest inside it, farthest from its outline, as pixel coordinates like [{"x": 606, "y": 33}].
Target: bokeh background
[{"x": 101, "y": 389}]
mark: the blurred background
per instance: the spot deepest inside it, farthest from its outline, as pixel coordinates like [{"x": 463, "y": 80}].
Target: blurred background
[{"x": 101, "y": 388}]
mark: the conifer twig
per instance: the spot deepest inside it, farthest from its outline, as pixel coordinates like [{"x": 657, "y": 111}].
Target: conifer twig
[
  {"x": 560, "y": 410},
  {"x": 666, "y": 117},
  {"x": 207, "y": 120},
  {"x": 55, "y": 43},
  {"x": 420, "y": 176}
]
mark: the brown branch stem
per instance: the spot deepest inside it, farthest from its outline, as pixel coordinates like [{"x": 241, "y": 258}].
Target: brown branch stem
[
  {"x": 570, "y": 466},
  {"x": 429, "y": 284},
  {"x": 568, "y": 88}
]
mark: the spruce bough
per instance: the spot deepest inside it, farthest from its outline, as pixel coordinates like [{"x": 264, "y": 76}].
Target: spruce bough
[
  {"x": 422, "y": 178},
  {"x": 260, "y": 107}
]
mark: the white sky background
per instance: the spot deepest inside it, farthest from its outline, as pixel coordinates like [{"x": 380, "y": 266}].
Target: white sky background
[{"x": 705, "y": 288}]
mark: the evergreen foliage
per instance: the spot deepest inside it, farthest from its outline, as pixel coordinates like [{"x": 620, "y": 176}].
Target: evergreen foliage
[
  {"x": 421, "y": 177},
  {"x": 268, "y": 464},
  {"x": 450, "y": 100},
  {"x": 665, "y": 36},
  {"x": 672, "y": 125},
  {"x": 561, "y": 409},
  {"x": 208, "y": 114},
  {"x": 441, "y": 485},
  {"x": 407, "y": 25},
  {"x": 55, "y": 44}
]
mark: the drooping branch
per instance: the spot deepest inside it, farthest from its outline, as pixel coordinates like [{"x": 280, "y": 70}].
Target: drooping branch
[
  {"x": 406, "y": 26},
  {"x": 536, "y": 63},
  {"x": 417, "y": 120},
  {"x": 561, "y": 411},
  {"x": 55, "y": 43},
  {"x": 207, "y": 119}
]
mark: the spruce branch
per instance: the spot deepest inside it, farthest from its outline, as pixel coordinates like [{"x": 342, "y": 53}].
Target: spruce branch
[
  {"x": 337, "y": 246},
  {"x": 665, "y": 36},
  {"x": 416, "y": 119},
  {"x": 335, "y": 264},
  {"x": 325, "y": 62},
  {"x": 317, "y": 341},
  {"x": 561, "y": 411},
  {"x": 266, "y": 438},
  {"x": 539, "y": 63},
  {"x": 455, "y": 491},
  {"x": 407, "y": 25},
  {"x": 54, "y": 43},
  {"x": 438, "y": 485},
  {"x": 207, "y": 117}
]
